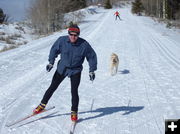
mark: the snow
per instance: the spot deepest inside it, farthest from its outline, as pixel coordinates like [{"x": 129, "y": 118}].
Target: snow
[
  {"x": 15, "y": 34},
  {"x": 137, "y": 100}
]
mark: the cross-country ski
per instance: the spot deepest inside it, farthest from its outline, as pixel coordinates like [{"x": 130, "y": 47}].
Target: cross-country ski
[
  {"x": 72, "y": 128},
  {"x": 28, "y": 116}
]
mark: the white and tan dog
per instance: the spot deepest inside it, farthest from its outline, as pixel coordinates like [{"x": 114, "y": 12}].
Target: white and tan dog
[{"x": 114, "y": 63}]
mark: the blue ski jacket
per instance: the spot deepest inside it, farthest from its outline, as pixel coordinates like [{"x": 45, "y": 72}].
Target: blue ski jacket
[{"x": 72, "y": 55}]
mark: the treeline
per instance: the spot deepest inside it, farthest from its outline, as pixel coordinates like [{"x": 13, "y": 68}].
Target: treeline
[
  {"x": 48, "y": 15},
  {"x": 166, "y": 9}
]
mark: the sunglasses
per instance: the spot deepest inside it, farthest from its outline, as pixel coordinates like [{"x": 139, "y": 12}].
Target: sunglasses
[{"x": 75, "y": 35}]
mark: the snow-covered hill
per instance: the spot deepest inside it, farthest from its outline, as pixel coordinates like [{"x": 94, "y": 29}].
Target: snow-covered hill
[
  {"x": 15, "y": 34},
  {"x": 137, "y": 100},
  {"x": 12, "y": 35}
]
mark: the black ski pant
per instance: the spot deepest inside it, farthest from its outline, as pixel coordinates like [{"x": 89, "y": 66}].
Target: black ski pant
[
  {"x": 117, "y": 16},
  {"x": 57, "y": 79}
]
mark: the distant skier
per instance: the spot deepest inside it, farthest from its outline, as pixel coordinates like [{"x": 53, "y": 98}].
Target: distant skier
[
  {"x": 73, "y": 50},
  {"x": 117, "y": 14}
]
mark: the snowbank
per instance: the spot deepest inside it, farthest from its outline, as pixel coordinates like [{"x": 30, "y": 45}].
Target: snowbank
[{"x": 13, "y": 35}]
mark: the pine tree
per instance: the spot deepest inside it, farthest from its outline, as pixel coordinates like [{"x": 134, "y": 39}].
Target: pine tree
[
  {"x": 108, "y": 4},
  {"x": 73, "y": 5},
  {"x": 137, "y": 7},
  {"x": 171, "y": 9},
  {"x": 2, "y": 16},
  {"x": 82, "y": 3}
]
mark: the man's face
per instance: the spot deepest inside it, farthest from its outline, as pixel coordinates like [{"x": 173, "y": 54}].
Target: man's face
[{"x": 73, "y": 37}]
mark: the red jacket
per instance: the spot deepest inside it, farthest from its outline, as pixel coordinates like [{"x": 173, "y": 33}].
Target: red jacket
[{"x": 116, "y": 13}]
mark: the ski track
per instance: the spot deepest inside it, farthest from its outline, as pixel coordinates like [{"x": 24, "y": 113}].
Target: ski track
[
  {"x": 149, "y": 62},
  {"x": 153, "y": 77},
  {"x": 166, "y": 53}
]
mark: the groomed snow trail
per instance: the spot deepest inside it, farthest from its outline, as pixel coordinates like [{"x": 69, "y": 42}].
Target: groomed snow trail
[{"x": 136, "y": 100}]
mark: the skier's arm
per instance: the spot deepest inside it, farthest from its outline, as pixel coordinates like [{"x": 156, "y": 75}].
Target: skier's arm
[
  {"x": 91, "y": 58},
  {"x": 55, "y": 50}
]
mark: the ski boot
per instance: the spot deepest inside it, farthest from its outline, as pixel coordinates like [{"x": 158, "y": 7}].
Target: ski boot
[
  {"x": 74, "y": 116},
  {"x": 39, "y": 108}
]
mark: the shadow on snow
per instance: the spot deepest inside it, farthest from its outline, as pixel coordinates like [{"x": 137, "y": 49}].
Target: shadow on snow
[
  {"x": 125, "y": 71},
  {"x": 102, "y": 112},
  {"x": 111, "y": 110}
]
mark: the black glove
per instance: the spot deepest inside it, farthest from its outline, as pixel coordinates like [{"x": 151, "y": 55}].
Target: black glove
[
  {"x": 92, "y": 76},
  {"x": 49, "y": 67}
]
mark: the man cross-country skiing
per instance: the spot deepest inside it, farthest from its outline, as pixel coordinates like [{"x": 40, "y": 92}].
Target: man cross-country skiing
[
  {"x": 73, "y": 50},
  {"x": 117, "y": 15}
]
